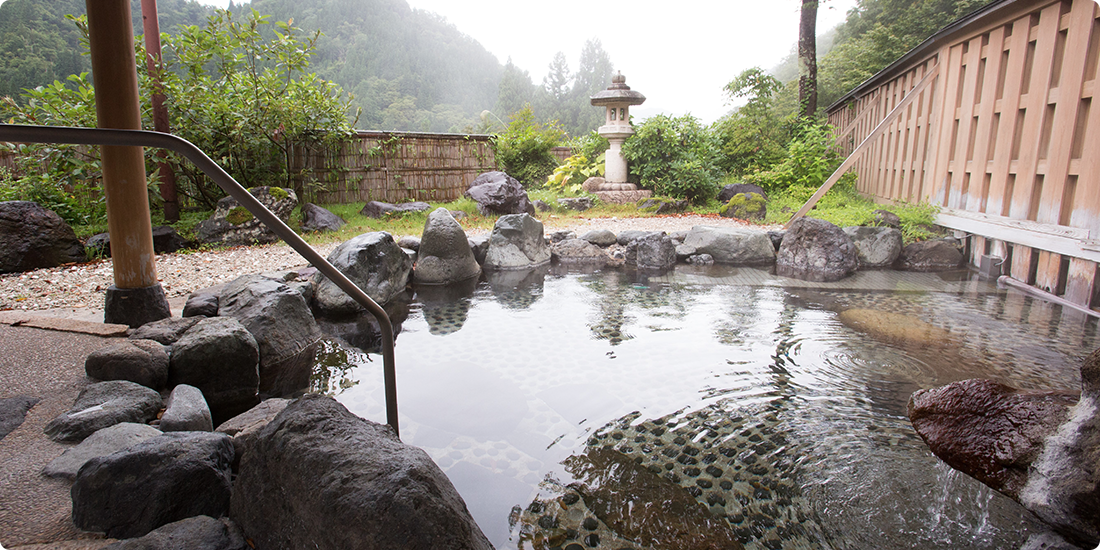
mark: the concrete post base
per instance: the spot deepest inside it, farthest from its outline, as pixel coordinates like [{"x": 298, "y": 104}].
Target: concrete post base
[{"x": 136, "y": 306}]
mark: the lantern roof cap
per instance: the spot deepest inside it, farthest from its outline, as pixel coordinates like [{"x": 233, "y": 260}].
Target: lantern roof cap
[{"x": 618, "y": 93}]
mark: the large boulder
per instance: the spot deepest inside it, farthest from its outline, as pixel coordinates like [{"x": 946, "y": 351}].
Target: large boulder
[
  {"x": 600, "y": 237},
  {"x": 579, "y": 251},
  {"x": 102, "y": 443},
  {"x": 142, "y": 361},
  {"x": 444, "y": 253},
  {"x": 653, "y": 251},
  {"x": 378, "y": 209},
  {"x": 372, "y": 261},
  {"x": 729, "y": 191},
  {"x": 186, "y": 411},
  {"x": 516, "y": 243},
  {"x": 318, "y": 476},
  {"x": 196, "y": 533},
  {"x": 731, "y": 245},
  {"x": 232, "y": 224},
  {"x": 165, "y": 241},
  {"x": 158, "y": 481},
  {"x": 32, "y": 237},
  {"x": 877, "y": 247},
  {"x": 246, "y": 425},
  {"x": 279, "y": 317},
  {"x": 816, "y": 250},
  {"x": 165, "y": 331},
  {"x": 745, "y": 206},
  {"x": 936, "y": 255},
  {"x": 221, "y": 358},
  {"x": 315, "y": 218},
  {"x": 497, "y": 193},
  {"x": 105, "y": 404}
]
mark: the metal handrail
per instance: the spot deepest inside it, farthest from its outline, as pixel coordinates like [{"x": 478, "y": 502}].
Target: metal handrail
[{"x": 140, "y": 138}]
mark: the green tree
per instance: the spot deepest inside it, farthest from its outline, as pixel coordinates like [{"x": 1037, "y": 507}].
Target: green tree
[
  {"x": 593, "y": 75},
  {"x": 755, "y": 135},
  {"x": 523, "y": 150}
]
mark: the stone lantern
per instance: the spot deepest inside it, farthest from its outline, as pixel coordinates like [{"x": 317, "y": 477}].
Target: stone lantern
[{"x": 617, "y": 99}]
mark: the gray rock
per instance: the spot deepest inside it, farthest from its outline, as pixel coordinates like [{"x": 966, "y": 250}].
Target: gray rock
[
  {"x": 101, "y": 443},
  {"x": 578, "y": 251},
  {"x": 246, "y": 425},
  {"x": 729, "y": 191},
  {"x": 497, "y": 193},
  {"x": 683, "y": 252},
  {"x": 479, "y": 245},
  {"x": 877, "y": 247},
  {"x": 165, "y": 241},
  {"x": 316, "y": 466},
  {"x": 444, "y": 255},
  {"x": 630, "y": 235},
  {"x": 232, "y": 224},
  {"x": 376, "y": 209},
  {"x": 203, "y": 302},
  {"x": 732, "y": 245},
  {"x": 196, "y": 533},
  {"x": 653, "y": 251},
  {"x": 186, "y": 411},
  {"x": 541, "y": 205},
  {"x": 516, "y": 243},
  {"x": 165, "y": 331},
  {"x": 886, "y": 218},
  {"x": 141, "y": 361},
  {"x": 316, "y": 218},
  {"x": 562, "y": 235},
  {"x": 105, "y": 404},
  {"x": 220, "y": 357},
  {"x": 410, "y": 242},
  {"x": 32, "y": 237},
  {"x": 279, "y": 317},
  {"x": 937, "y": 255},
  {"x": 816, "y": 250},
  {"x": 158, "y": 481},
  {"x": 678, "y": 236},
  {"x": 663, "y": 206},
  {"x": 776, "y": 237},
  {"x": 701, "y": 259},
  {"x": 600, "y": 237},
  {"x": 13, "y": 410},
  {"x": 580, "y": 204},
  {"x": 372, "y": 261}
]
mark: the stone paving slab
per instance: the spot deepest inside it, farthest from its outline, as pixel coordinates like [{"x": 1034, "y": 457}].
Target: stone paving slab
[{"x": 961, "y": 282}]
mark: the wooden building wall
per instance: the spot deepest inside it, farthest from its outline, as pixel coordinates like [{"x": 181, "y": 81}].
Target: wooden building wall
[
  {"x": 1006, "y": 139},
  {"x": 393, "y": 167}
]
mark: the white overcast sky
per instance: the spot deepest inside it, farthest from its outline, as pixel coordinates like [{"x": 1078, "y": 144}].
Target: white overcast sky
[{"x": 679, "y": 54}]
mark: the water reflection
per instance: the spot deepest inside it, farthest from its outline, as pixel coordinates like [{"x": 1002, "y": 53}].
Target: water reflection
[
  {"x": 360, "y": 330},
  {"x": 517, "y": 288},
  {"x": 445, "y": 307}
]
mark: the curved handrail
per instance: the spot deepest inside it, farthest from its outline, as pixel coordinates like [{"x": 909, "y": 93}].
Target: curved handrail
[{"x": 141, "y": 138}]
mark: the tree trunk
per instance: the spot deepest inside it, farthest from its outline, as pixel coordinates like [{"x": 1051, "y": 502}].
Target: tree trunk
[{"x": 807, "y": 59}]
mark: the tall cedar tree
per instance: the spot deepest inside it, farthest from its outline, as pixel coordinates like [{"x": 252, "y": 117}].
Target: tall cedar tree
[{"x": 807, "y": 59}]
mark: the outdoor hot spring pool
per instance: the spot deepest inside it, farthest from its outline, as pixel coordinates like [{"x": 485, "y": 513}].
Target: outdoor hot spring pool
[{"x": 577, "y": 410}]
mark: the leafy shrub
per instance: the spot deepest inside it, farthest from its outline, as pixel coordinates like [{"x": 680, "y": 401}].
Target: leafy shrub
[
  {"x": 51, "y": 195},
  {"x": 675, "y": 157},
  {"x": 591, "y": 145},
  {"x": 754, "y": 136},
  {"x": 811, "y": 158},
  {"x": 523, "y": 150},
  {"x": 569, "y": 177}
]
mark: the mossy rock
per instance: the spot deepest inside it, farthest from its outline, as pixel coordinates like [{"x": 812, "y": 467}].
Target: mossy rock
[
  {"x": 239, "y": 215},
  {"x": 278, "y": 192},
  {"x": 661, "y": 205},
  {"x": 745, "y": 206}
]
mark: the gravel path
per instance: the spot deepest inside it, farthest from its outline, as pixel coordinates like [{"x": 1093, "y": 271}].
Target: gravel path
[{"x": 84, "y": 285}]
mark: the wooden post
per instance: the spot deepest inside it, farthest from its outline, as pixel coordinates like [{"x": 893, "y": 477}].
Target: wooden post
[{"x": 136, "y": 298}]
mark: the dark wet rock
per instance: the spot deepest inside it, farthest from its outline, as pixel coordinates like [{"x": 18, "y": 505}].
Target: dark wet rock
[
  {"x": 196, "y": 533},
  {"x": 562, "y": 235},
  {"x": 186, "y": 411},
  {"x": 372, "y": 261},
  {"x": 660, "y": 206},
  {"x": 732, "y": 245},
  {"x": 600, "y": 237},
  {"x": 652, "y": 251},
  {"x": 316, "y": 466},
  {"x": 233, "y": 224},
  {"x": 361, "y": 330},
  {"x": 816, "y": 250},
  {"x": 105, "y": 404},
  {"x": 158, "y": 481},
  {"x": 729, "y": 191},
  {"x": 165, "y": 331},
  {"x": 580, "y": 204},
  {"x": 479, "y": 244},
  {"x": 32, "y": 237},
  {"x": 279, "y": 317},
  {"x": 101, "y": 443},
  {"x": 316, "y": 218},
  {"x": 776, "y": 237},
  {"x": 886, "y": 218},
  {"x": 926, "y": 256},
  {"x": 141, "y": 361},
  {"x": 878, "y": 247},
  {"x": 220, "y": 357},
  {"x": 541, "y": 205},
  {"x": 745, "y": 206},
  {"x": 578, "y": 251},
  {"x": 516, "y": 243},
  {"x": 497, "y": 193},
  {"x": 629, "y": 235},
  {"x": 376, "y": 209},
  {"x": 643, "y": 506},
  {"x": 895, "y": 328},
  {"x": 683, "y": 252},
  {"x": 13, "y": 410},
  {"x": 202, "y": 302},
  {"x": 413, "y": 243},
  {"x": 165, "y": 241},
  {"x": 445, "y": 256},
  {"x": 246, "y": 425}
]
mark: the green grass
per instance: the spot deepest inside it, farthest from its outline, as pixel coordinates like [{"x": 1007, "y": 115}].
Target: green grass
[{"x": 843, "y": 206}]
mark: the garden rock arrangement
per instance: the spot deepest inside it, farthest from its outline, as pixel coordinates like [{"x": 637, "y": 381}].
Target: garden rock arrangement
[
  {"x": 497, "y": 193},
  {"x": 1038, "y": 448},
  {"x": 165, "y": 240},
  {"x": 376, "y": 209},
  {"x": 816, "y": 250},
  {"x": 232, "y": 224},
  {"x": 444, "y": 255},
  {"x": 32, "y": 237},
  {"x": 516, "y": 243},
  {"x": 372, "y": 261},
  {"x": 315, "y": 218}
]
